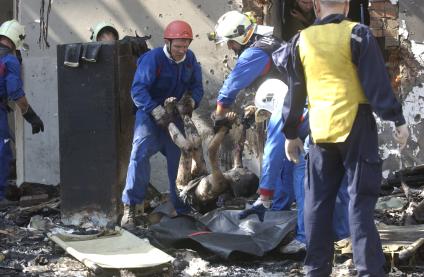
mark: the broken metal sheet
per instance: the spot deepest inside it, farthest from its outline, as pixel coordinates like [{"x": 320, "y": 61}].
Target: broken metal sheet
[
  {"x": 117, "y": 250},
  {"x": 221, "y": 232}
]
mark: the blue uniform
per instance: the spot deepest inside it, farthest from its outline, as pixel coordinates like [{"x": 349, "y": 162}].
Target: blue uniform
[
  {"x": 357, "y": 157},
  {"x": 157, "y": 78},
  {"x": 251, "y": 64},
  {"x": 10, "y": 89},
  {"x": 285, "y": 180}
]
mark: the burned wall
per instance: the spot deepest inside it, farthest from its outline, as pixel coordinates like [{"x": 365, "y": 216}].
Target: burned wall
[
  {"x": 398, "y": 27},
  {"x": 69, "y": 21}
]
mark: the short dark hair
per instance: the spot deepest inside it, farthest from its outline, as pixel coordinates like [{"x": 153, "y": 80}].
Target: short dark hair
[{"x": 108, "y": 30}]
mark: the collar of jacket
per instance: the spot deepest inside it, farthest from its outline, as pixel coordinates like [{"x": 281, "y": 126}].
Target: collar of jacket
[
  {"x": 332, "y": 18},
  {"x": 168, "y": 55}
]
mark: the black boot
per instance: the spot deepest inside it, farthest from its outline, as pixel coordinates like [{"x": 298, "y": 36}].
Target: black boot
[{"x": 128, "y": 220}]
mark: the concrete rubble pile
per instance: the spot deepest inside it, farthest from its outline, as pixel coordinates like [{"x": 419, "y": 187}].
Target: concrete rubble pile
[
  {"x": 28, "y": 225},
  {"x": 27, "y": 251}
]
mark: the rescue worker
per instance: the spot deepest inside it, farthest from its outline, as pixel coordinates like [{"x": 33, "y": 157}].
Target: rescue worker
[
  {"x": 282, "y": 181},
  {"x": 12, "y": 35},
  {"x": 301, "y": 16},
  {"x": 253, "y": 44},
  {"x": 104, "y": 31},
  {"x": 168, "y": 71},
  {"x": 338, "y": 66}
]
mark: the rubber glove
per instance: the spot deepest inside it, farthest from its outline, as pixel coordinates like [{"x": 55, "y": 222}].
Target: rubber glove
[
  {"x": 32, "y": 118},
  {"x": 259, "y": 208}
]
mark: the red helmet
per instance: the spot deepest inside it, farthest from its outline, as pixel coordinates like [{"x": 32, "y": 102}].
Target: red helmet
[{"x": 178, "y": 29}]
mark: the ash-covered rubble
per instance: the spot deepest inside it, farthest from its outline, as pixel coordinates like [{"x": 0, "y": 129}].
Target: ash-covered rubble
[
  {"x": 403, "y": 202},
  {"x": 25, "y": 249}
]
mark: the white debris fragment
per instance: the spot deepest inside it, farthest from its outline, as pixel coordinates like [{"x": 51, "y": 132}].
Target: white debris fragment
[
  {"x": 416, "y": 151},
  {"x": 386, "y": 150},
  {"x": 394, "y": 2},
  {"x": 413, "y": 105},
  {"x": 197, "y": 267},
  {"x": 87, "y": 219},
  {"x": 413, "y": 134},
  {"x": 403, "y": 31},
  {"x": 386, "y": 174},
  {"x": 417, "y": 49}
]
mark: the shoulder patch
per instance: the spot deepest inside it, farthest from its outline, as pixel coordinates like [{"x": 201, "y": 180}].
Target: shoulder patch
[{"x": 357, "y": 38}]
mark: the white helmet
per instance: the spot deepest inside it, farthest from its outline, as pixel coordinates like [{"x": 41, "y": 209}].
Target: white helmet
[
  {"x": 13, "y": 31},
  {"x": 270, "y": 96},
  {"x": 95, "y": 30},
  {"x": 236, "y": 26}
]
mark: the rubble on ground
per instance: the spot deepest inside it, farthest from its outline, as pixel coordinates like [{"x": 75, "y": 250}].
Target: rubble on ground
[{"x": 25, "y": 249}]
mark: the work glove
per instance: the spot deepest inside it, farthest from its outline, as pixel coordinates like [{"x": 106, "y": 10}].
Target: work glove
[
  {"x": 259, "y": 208},
  {"x": 294, "y": 147},
  {"x": 161, "y": 117},
  {"x": 32, "y": 118},
  {"x": 220, "y": 122},
  {"x": 401, "y": 135}
]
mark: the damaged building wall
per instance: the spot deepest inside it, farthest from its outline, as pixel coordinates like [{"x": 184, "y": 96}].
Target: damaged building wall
[
  {"x": 40, "y": 153},
  {"x": 403, "y": 50},
  {"x": 69, "y": 21},
  {"x": 398, "y": 25}
]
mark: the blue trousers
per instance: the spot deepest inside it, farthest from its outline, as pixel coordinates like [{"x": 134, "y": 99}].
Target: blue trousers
[
  {"x": 5, "y": 152},
  {"x": 358, "y": 159},
  {"x": 148, "y": 140},
  {"x": 291, "y": 188}
]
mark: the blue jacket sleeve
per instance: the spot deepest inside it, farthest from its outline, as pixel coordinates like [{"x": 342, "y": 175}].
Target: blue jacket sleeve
[
  {"x": 295, "y": 100},
  {"x": 144, "y": 78},
  {"x": 250, "y": 65},
  {"x": 196, "y": 86},
  {"x": 367, "y": 56},
  {"x": 14, "y": 85},
  {"x": 274, "y": 157}
]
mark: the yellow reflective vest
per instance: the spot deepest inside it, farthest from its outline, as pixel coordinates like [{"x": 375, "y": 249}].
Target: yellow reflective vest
[{"x": 332, "y": 83}]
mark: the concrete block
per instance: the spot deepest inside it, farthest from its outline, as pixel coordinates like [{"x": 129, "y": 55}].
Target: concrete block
[
  {"x": 384, "y": 9},
  {"x": 391, "y": 11},
  {"x": 376, "y": 23},
  {"x": 376, "y": 14},
  {"x": 377, "y": 32},
  {"x": 393, "y": 33},
  {"x": 391, "y": 24},
  {"x": 391, "y": 42},
  {"x": 378, "y": 6}
]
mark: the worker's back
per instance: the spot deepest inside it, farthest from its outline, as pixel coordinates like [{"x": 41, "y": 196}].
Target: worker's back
[{"x": 333, "y": 86}]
